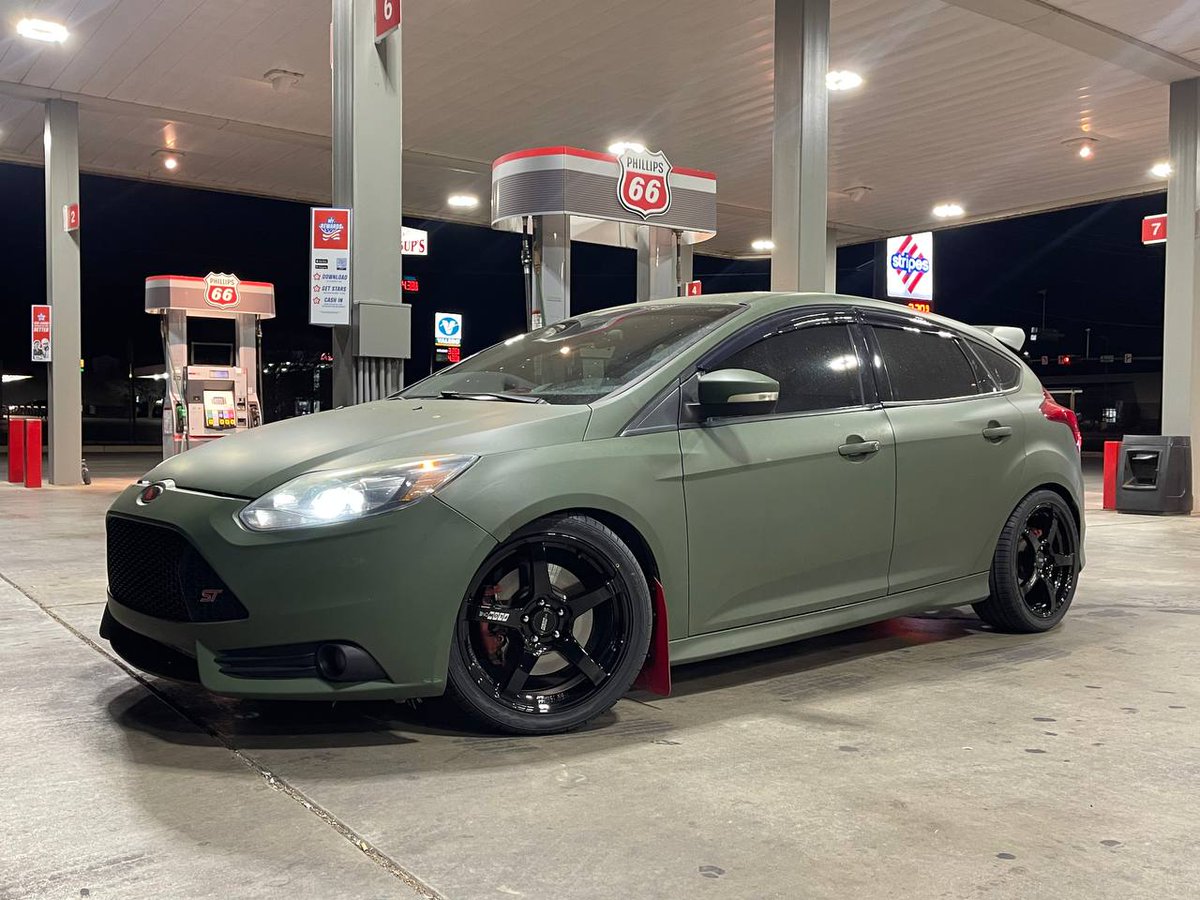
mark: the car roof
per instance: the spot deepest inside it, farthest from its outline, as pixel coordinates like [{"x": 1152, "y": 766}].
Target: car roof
[{"x": 766, "y": 302}]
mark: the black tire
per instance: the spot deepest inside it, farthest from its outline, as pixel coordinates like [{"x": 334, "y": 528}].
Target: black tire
[
  {"x": 1035, "y": 569},
  {"x": 512, "y": 666}
]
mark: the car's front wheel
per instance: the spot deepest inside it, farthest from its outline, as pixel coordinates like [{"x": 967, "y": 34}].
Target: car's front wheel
[
  {"x": 1035, "y": 567},
  {"x": 553, "y": 630}
]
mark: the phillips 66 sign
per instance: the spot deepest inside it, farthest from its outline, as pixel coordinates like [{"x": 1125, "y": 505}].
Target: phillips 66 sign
[
  {"x": 221, "y": 290},
  {"x": 643, "y": 186},
  {"x": 910, "y": 266}
]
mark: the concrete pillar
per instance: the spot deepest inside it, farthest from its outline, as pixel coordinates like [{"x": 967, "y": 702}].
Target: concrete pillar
[
  {"x": 368, "y": 148},
  {"x": 830, "y": 261},
  {"x": 1181, "y": 317},
  {"x": 686, "y": 256},
  {"x": 657, "y": 263},
  {"x": 552, "y": 267},
  {"x": 65, "y": 394},
  {"x": 799, "y": 176}
]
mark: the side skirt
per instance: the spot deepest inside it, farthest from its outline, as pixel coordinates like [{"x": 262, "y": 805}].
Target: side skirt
[{"x": 958, "y": 592}]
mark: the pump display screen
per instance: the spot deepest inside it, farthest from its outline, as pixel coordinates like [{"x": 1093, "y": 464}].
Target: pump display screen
[{"x": 219, "y": 411}]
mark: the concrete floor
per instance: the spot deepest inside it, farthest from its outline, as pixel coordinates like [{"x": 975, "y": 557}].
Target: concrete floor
[{"x": 922, "y": 757}]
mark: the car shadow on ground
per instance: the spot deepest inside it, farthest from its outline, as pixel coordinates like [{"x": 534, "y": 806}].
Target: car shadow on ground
[{"x": 797, "y": 671}]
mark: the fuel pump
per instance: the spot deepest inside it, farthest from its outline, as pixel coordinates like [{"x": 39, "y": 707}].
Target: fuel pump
[{"x": 205, "y": 401}]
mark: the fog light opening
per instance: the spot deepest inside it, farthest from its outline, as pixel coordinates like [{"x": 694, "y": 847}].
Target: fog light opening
[{"x": 332, "y": 662}]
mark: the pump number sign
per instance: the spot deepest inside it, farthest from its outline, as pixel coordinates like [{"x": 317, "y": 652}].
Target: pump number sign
[
  {"x": 643, "y": 185},
  {"x": 910, "y": 267}
]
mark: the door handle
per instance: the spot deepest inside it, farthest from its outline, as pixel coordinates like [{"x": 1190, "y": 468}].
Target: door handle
[
  {"x": 997, "y": 432},
  {"x": 859, "y": 448}
]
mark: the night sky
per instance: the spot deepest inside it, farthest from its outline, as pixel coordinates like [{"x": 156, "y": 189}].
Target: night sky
[{"x": 1089, "y": 260}]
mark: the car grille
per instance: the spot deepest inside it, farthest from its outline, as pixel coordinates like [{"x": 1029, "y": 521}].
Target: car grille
[{"x": 156, "y": 571}]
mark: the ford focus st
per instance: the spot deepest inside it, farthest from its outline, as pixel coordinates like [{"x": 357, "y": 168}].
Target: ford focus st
[{"x": 576, "y": 509}]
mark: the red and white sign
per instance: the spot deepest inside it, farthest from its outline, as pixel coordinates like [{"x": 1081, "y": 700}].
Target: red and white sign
[
  {"x": 71, "y": 217},
  {"x": 40, "y": 321},
  {"x": 694, "y": 288},
  {"x": 329, "y": 264},
  {"x": 1154, "y": 229},
  {"x": 414, "y": 241},
  {"x": 221, "y": 290},
  {"x": 642, "y": 183},
  {"x": 387, "y": 18},
  {"x": 910, "y": 266}
]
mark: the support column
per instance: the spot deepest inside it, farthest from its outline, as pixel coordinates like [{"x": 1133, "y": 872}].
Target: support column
[
  {"x": 830, "y": 261},
  {"x": 368, "y": 148},
  {"x": 1181, "y": 316},
  {"x": 800, "y": 145},
  {"x": 657, "y": 265},
  {"x": 552, "y": 267},
  {"x": 687, "y": 253},
  {"x": 65, "y": 392}
]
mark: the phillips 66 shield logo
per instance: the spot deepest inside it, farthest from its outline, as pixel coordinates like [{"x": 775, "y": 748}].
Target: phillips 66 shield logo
[
  {"x": 221, "y": 290},
  {"x": 643, "y": 186}
]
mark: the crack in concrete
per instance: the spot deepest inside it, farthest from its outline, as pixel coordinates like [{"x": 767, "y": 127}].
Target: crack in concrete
[{"x": 375, "y": 855}]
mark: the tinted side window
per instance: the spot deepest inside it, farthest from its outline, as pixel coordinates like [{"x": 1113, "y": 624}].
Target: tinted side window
[
  {"x": 1004, "y": 371},
  {"x": 816, "y": 367},
  {"x": 925, "y": 365}
]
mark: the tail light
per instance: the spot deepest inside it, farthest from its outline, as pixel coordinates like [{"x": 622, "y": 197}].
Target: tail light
[{"x": 1056, "y": 412}]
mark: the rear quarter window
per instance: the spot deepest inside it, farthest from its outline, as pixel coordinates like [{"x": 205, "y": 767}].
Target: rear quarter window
[
  {"x": 925, "y": 365},
  {"x": 1005, "y": 372}
]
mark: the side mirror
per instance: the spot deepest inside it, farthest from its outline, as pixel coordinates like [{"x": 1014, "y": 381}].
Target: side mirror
[{"x": 736, "y": 392}]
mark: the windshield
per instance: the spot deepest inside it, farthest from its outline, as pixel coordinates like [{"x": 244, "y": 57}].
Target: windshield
[{"x": 578, "y": 360}]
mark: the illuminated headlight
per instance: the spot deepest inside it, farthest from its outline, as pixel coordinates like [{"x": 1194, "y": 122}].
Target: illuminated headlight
[{"x": 340, "y": 495}]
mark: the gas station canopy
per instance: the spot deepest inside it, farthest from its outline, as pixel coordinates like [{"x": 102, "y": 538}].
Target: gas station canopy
[{"x": 982, "y": 103}]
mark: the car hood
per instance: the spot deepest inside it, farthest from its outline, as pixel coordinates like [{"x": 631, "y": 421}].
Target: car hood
[{"x": 253, "y": 462}]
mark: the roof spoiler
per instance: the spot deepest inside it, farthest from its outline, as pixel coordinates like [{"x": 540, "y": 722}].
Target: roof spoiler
[{"x": 1008, "y": 335}]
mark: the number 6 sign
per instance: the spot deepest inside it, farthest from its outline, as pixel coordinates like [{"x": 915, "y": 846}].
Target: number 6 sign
[
  {"x": 221, "y": 290},
  {"x": 387, "y": 18},
  {"x": 643, "y": 186}
]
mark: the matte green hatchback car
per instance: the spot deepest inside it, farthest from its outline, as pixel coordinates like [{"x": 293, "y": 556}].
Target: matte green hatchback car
[{"x": 573, "y": 511}]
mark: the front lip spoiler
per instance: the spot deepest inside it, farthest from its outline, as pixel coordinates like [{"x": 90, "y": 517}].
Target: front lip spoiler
[{"x": 147, "y": 654}]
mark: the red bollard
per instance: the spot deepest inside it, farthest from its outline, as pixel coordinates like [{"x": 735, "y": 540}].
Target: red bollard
[
  {"x": 16, "y": 449},
  {"x": 1112, "y": 456},
  {"x": 33, "y": 453}
]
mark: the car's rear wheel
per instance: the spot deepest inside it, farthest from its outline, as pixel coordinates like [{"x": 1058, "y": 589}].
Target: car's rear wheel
[
  {"x": 553, "y": 630},
  {"x": 1035, "y": 568}
]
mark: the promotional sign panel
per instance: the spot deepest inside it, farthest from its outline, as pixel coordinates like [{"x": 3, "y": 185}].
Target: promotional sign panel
[
  {"x": 414, "y": 241},
  {"x": 387, "y": 18},
  {"x": 40, "y": 320},
  {"x": 1154, "y": 229},
  {"x": 221, "y": 290},
  {"x": 910, "y": 267},
  {"x": 642, "y": 182},
  {"x": 447, "y": 329},
  {"x": 71, "y": 217},
  {"x": 329, "y": 259}
]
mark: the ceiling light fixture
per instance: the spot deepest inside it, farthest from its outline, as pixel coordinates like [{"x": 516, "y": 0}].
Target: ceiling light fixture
[
  {"x": 462, "y": 201},
  {"x": 170, "y": 159},
  {"x": 1084, "y": 147},
  {"x": 41, "y": 30},
  {"x": 282, "y": 80},
  {"x": 948, "y": 210},
  {"x": 618, "y": 147},
  {"x": 1161, "y": 170},
  {"x": 843, "y": 80},
  {"x": 762, "y": 245}
]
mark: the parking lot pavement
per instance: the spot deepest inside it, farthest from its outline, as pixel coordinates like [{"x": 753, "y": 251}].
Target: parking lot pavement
[{"x": 921, "y": 757}]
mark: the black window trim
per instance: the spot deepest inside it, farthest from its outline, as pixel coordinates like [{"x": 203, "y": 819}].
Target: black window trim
[
  {"x": 997, "y": 390},
  {"x": 873, "y": 318}
]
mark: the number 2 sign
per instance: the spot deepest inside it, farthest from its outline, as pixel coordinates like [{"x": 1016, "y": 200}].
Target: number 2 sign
[
  {"x": 387, "y": 18},
  {"x": 643, "y": 186}
]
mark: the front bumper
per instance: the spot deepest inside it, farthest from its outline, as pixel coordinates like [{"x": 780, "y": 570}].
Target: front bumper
[{"x": 390, "y": 584}]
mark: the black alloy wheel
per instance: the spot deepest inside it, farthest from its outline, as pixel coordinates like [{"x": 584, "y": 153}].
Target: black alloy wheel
[
  {"x": 554, "y": 628},
  {"x": 1035, "y": 569}
]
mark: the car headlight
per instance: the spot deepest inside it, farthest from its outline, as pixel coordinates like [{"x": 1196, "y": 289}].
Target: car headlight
[{"x": 340, "y": 495}]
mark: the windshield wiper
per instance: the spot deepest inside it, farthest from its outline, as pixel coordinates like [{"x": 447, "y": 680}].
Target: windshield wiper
[{"x": 512, "y": 398}]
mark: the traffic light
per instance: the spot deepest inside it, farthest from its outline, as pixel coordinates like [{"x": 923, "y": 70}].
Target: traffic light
[{"x": 1064, "y": 360}]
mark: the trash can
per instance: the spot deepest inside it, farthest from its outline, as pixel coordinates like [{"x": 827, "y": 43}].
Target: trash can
[{"x": 1155, "y": 474}]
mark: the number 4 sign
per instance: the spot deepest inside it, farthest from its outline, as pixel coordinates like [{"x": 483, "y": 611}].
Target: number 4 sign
[{"x": 387, "y": 18}]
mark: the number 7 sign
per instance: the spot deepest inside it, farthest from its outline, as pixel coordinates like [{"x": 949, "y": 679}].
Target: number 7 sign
[
  {"x": 1154, "y": 229},
  {"x": 387, "y": 18}
]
